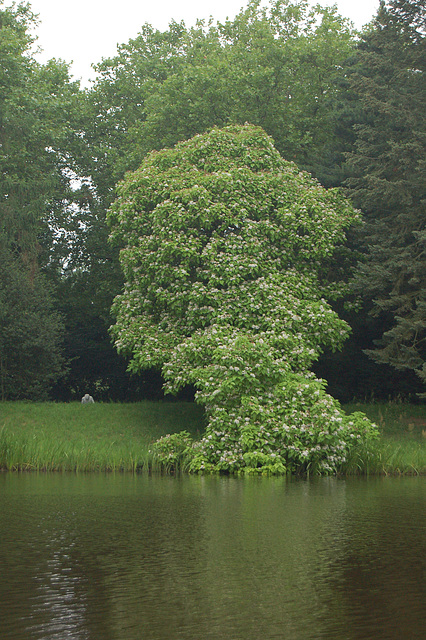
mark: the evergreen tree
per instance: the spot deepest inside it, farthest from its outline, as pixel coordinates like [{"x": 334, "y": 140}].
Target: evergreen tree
[{"x": 388, "y": 180}]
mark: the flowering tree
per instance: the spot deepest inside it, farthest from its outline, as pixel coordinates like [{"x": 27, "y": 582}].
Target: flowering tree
[{"x": 223, "y": 245}]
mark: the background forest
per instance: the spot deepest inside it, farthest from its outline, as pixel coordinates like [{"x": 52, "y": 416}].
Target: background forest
[{"x": 347, "y": 107}]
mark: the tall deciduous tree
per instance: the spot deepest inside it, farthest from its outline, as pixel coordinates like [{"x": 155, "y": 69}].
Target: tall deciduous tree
[
  {"x": 276, "y": 67},
  {"x": 388, "y": 179},
  {"x": 223, "y": 244},
  {"x": 36, "y": 139},
  {"x": 37, "y": 103}
]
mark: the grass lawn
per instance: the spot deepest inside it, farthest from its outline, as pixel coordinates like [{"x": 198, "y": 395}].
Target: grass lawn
[{"x": 109, "y": 436}]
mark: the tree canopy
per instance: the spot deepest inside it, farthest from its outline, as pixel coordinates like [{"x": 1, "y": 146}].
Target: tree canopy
[
  {"x": 223, "y": 244},
  {"x": 321, "y": 90},
  {"x": 276, "y": 66}
]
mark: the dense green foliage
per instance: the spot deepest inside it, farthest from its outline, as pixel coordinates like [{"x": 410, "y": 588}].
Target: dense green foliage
[
  {"x": 276, "y": 67},
  {"x": 50, "y": 237},
  {"x": 303, "y": 75},
  {"x": 223, "y": 247},
  {"x": 35, "y": 136},
  {"x": 30, "y": 333},
  {"x": 35, "y": 145},
  {"x": 388, "y": 179}
]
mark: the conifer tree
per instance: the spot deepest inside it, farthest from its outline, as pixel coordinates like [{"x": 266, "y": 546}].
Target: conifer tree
[{"x": 388, "y": 177}]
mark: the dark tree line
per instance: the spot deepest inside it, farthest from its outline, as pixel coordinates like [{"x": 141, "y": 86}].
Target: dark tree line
[
  {"x": 347, "y": 107},
  {"x": 388, "y": 181}
]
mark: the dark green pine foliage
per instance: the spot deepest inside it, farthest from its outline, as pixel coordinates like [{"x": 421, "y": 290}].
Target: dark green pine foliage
[{"x": 388, "y": 177}]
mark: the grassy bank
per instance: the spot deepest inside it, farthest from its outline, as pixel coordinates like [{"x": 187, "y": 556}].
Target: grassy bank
[
  {"x": 92, "y": 437},
  {"x": 110, "y": 437},
  {"x": 401, "y": 448}
]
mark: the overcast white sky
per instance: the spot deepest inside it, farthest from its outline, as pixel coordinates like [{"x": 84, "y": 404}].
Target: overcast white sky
[{"x": 85, "y": 31}]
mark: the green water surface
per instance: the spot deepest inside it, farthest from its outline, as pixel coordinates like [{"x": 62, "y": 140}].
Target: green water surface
[{"x": 123, "y": 557}]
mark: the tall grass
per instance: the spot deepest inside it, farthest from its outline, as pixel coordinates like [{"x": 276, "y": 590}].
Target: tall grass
[
  {"x": 96, "y": 437},
  {"x": 111, "y": 437},
  {"x": 401, "y": 448}
]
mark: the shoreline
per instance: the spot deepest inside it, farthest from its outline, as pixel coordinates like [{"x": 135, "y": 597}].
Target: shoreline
[{"x": 113, "y": 437}]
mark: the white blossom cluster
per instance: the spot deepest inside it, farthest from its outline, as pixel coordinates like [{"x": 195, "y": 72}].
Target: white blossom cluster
[{"x": 222, "y": 245}]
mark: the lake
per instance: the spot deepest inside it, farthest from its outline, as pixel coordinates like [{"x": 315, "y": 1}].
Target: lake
[{"x": 123, "y": 557}]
